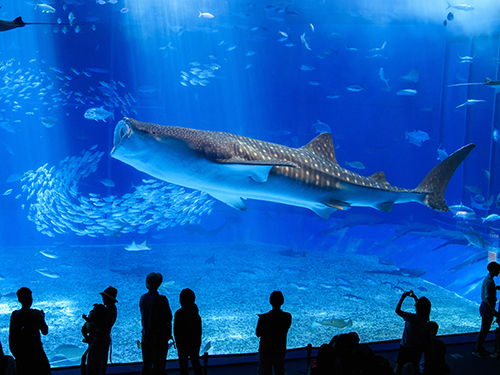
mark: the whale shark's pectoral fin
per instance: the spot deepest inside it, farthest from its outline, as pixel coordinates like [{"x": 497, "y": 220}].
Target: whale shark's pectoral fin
[
  {"x": 231, "y": 200},
  {"x": 326, "y": 210},
  {"x": 384, "y": 207},
  {"x": 258, "y": 170},
  {"x": 323, "y": 211}
]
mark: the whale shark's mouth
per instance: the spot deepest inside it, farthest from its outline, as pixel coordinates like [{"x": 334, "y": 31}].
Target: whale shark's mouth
[{"x": 122, "y": 129}]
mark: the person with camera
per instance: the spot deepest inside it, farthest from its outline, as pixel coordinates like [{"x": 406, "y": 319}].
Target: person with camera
[
  {"x": 24, "y": 336},
  {"x": 415, "y": 333}
]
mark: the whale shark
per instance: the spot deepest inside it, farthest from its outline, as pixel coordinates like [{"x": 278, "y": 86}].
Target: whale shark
[{"x": 231, "y": 168}]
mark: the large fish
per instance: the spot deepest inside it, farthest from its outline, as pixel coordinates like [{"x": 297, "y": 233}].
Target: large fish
[{"x": 230, "y": 167}]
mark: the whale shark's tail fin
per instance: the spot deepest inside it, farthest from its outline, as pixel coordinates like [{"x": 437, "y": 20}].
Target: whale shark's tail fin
[{"x": 436, "y": 181}]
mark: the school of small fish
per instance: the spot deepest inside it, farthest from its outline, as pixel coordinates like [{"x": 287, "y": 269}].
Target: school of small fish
[
  {"x": 36, "y": 92},
  {"x": 56, "y": 206},
  {"x": 199, "y": 74}
]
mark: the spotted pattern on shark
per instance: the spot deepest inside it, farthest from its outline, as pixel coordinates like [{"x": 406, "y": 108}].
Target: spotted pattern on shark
[{"x": 231, "y": 167}]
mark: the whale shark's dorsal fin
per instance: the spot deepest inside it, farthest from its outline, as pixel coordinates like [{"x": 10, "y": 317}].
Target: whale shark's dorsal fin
[
  {"x": 322, "y": 147},
  {"x": 379, "y": 177}
]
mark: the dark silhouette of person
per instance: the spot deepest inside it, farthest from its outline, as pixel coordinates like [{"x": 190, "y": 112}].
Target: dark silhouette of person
[
  {"x": 97, "y": 360},
  {"x": 24, "y": 336},
  {"x": 487, "y": 308},
  {"x": 433, "y": 361},
  {"x": 7, "y": 363},
  {"x": 156, "y": 318},
  {"x": 415, "y": 333},
  {"x": 272, "y": 328},
  {"x": 187, "y": 333}
]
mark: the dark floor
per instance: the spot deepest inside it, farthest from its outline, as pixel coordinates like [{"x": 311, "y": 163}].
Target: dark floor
[{"x": 458, "y": 357}]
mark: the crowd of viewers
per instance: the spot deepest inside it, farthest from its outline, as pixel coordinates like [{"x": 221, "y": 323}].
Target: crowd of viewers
[{"x": 421, "y": 351}]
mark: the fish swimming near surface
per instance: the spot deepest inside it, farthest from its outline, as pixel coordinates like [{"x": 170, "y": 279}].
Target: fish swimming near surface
[{"x": 230, "y": 168}]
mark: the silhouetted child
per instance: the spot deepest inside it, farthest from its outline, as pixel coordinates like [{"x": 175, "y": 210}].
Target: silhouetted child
[
  {"x": 24, "y": 336},
  {"x": 97, "y": 360},
  {"x": 272, "y": 328},
  {"x": 433, "y": 361},
  {"x": 156, "y": 318},
  {"x": 487, "y": 308},
  {"x": 187, "y": 333},
  {"x": 414, "y": 334}
]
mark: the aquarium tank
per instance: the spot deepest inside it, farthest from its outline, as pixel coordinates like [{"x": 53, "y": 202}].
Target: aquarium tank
[{"x": 290, "y": 111}]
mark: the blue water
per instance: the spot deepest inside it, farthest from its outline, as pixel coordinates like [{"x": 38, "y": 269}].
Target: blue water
[{"x": 280, "y": 72}]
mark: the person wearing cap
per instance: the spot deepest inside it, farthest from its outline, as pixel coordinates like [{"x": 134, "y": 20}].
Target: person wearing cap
[
  {"x": 156, "y": 319},
  {"x": 487, "y": 309},
  {"x": 99, "y": 347},
  {"x": 272, "y": 328},
  {"x": 24, "y": 336}
]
